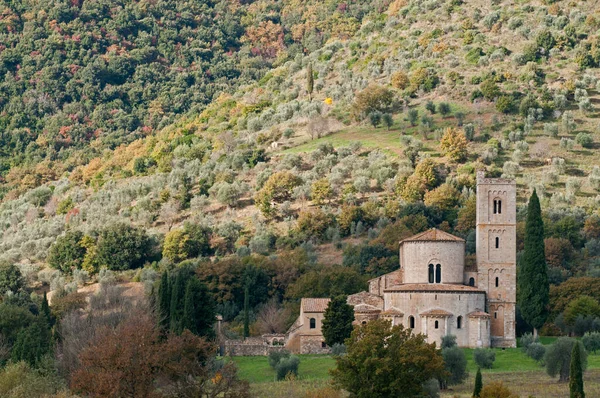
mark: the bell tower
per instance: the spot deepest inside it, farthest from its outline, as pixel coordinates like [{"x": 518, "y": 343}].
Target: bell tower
[{"x": 496, "y": 255}]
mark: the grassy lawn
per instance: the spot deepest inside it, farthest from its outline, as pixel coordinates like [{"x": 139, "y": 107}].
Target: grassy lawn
[
  {"x": 315, "y": 367},
  {"x": 257, "y": 369}
]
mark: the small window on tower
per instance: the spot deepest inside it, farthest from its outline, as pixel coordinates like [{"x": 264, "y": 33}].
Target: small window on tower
[
  {"x": 313, "y": 323},
  {"x": 495, "y": 315},
  {"x": 411, "y": 322},
  {"x": 497, "y": 280},
  {"x": 438, "y": 273},
  {"x": 471, "y": 281},
  {"x": 459, "y": 322},
  {"x": 495, "y": 206},
  {"x": 499, "y": 207},
  {"x": 497, "y": 242},
  {"x": 437, "y": 324},
  {"x": 431, "y": 274}
]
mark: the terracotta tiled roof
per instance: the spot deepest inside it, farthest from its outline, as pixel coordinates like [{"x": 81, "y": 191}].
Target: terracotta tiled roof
[
  {"x": 314, "y": 304},
  {"x": 433, "y": 234},
  {"x": 392, "y": 311},
  {"x": 436, "y": 312},
  {"x": 365, "y": 308},
  {"x": 432, "y": 287},
  {"x": 478, "y": 314}
]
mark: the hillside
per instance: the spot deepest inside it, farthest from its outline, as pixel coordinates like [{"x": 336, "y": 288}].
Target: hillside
[{"x": 198, "y": 122}]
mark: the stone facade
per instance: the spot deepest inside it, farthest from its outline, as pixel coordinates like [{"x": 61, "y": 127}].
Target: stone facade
[{"x": 434, "y": 292}]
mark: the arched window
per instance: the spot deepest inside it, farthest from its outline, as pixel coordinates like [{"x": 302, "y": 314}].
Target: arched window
[
  {"x": 471, "y": 281},
  {"x": 411, "y": 322},
  {"x": 497, "y": 206},
  {"x": 497, "y": 281},
  {"x": 495, "y": 315},
  {"x": 438, "y": 273},
  {"x": 437, "y": 324},
  {"x": 313, "y": 323},
  {"x": 497, "y": 242},
  {"x": 431, "y": 273},
  {"x": 459, "y": 322}
]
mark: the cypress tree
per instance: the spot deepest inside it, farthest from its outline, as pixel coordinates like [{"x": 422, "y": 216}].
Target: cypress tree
[
  {"x": 337, "y": 322},
  {"x": 478, "y": 384},
  {"x": 576, "y": 374},
  {"x": 246, "y": 312},
  {"x": 164, "y": 301},
  {"x": 199, "y": 309},
  {"x": 177, "y": 304},
  {"x": 45, "y": 311},
  {"x": 310, "y": 81},
  {"x": 533, "y": 287},
  {"x": 32, "y": 342}
]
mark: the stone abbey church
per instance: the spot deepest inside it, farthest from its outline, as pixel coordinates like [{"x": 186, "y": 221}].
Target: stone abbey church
[{"x": 434, "y": 292}]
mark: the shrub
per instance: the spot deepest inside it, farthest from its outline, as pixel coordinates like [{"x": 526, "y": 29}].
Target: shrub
[
  {"x": 584, "y": 139},
  {"x": 444, "y": 108},
  {"x": 591, "y": 341},
  {"x": 558, "y": 358},
  {"x": 490, "y": 90},
  {"x": 505, "y": 104},
  {"x": 399, "y": 80},
  {"x": 10, "y": 278},
  {"x": 536, "y": 351},
  {"x": 496, "y": 389},
  {"x": 338, "y": 349},
  {"x": 455, "y": 363},
  {"x": 287, "y": 366},
  {"x": 413, "y": 116},
  {"x": 430, "y": 106},
  {"x": 122, "y": 247},
  {"x": 67, "y": 252},
  {"x": 526, "y": 340},
  {"x": 484, "y": 357},
  {"x": 276, "y": 356}
]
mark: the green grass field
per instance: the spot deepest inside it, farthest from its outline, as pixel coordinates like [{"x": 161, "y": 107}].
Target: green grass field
[{"x": 315, "y": 367}]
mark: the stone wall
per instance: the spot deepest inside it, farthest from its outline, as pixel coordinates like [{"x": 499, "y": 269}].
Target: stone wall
[
  {"x": 252, "y": 346},
  {"x": 313, "y": 345}
]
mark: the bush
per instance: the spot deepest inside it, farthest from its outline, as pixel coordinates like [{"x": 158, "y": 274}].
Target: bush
[
  {"x": 67, "y": 252},
  {"x": 536, "y": 351},
  {"x": 484, "y": 357},
  {"x": 448, "y": 341},
  {"x": 591, "y": 341},
  {"x": 584, "y": 139},
  {"x": 121, "y": 247},
  {"x": 444, "y": 108},
  {"x": 338, "y": 349},
  {"x": 10, "y": 278},
  {"x": 276, "y": 356},
  {"x": 558, "y": 358},
  {"x": 526, "y": 340},
  {"x": 287, "y": 366},
  {"x": 455, "y": 363},
  {"x": 505, "y": 104},
  {"x": 374, "y": 98},
  {"x": 496, "y": 389}
]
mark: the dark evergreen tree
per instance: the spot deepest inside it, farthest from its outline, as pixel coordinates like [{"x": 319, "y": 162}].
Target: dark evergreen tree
[
  {"x": 246, "y": 312},
  {"x": 337, "y": 322},
  {"x": 177, "y": 302},
  {"x": 32, "y": 342},
  {"x": 576, "y": 374},
  {"x": 164, "y": 301},
  {"x": 533, "y": 287},
  {"x": 45, "y": 311},
  {"x": 478, "y": 384},
  {"x": 310, "y": 81},
  {"x": 199, "y": 309}
]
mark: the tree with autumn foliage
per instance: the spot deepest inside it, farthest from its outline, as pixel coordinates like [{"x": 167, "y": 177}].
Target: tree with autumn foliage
[
  {"x": 132, "y": 360},
  {"x": 454, "y": 144},
  {"x": 385, "y": 361}
]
